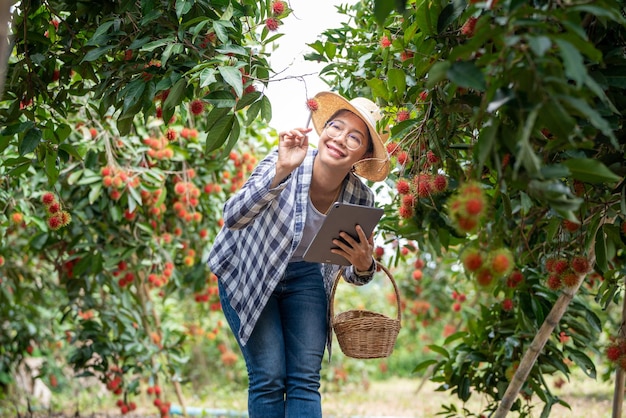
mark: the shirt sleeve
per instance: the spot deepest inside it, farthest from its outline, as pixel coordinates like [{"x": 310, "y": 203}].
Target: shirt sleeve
[{"x": 245, "y": 205}]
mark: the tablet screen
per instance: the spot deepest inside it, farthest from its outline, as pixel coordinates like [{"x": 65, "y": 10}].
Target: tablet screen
[{"x": 341, "y": 217}]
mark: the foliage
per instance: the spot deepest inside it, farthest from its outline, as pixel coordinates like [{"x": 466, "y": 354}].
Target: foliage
[
  {"x": 525, "y": 100},
  {"x": 119, "y": 122}
]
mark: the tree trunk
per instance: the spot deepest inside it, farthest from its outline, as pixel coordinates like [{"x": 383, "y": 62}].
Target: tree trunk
[{"x": 5, "y": 44}]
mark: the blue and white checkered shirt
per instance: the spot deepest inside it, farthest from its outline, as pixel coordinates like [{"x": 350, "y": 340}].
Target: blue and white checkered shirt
[{"x": 262, "y": 229}]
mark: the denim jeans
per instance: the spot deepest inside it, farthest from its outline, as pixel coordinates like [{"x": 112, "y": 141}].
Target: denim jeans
[{"x": 285, "y": 351}]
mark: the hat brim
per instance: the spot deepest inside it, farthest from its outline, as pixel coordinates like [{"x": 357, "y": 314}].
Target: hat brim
[{"x": 376, "y": 167}]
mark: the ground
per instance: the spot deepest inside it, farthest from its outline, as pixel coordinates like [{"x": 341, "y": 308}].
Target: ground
[{"x": 397, "y": 398}]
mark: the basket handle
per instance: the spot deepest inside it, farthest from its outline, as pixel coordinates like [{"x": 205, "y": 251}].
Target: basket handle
[{"x": 389, "y": 275}]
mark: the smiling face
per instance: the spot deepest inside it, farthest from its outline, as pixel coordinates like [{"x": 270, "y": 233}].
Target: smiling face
[{"x": 342, "y": 151}]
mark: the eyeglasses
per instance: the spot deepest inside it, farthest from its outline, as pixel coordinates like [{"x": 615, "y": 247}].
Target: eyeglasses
[{"x": 335, "y": 129}]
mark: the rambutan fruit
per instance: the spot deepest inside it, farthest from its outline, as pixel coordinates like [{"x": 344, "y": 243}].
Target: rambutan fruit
[
  {"x": 472, "y": 259},
  {"x": 613, "y": 352},
  {"x": 580, "y": 264},
  {"x": 501, "y": 261},
  {"x": 484, "y": 277},
  {"x": 440, "y": 183},
  {"x": 571, "y": 279},
  {"x": 515, "y": 279},
  {"x": 48, "y": 198},
  {"x": 554, "y": 282},
  {"x": 403, "y": 187},
  {"x": 560, "y": 266},
  {"x": 312, "y": 105},
  {"x": 405, "y": 212},
  {"x": 466, "y": 224},
  {"x": 408, "y": 200},
  {"x": 474, "y": 206}
]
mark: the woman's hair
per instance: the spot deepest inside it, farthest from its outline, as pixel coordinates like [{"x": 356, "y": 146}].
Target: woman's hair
[{"x": 370, "y": 143}]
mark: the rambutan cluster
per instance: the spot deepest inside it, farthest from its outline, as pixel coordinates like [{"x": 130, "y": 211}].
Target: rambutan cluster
[
  {"x": 57, "y": 218},
  {"x": 421, "y": 186},
  {"x": 488, "y": 267},
  {"x": 159, "y": 149},
  {"x": 468, "y": 207},
  {"x": 564, "y": 272},
  {"x": 116, "y": 180},
  {"x": 187, "y": 199}
]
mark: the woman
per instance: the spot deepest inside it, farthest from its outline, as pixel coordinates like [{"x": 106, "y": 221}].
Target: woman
[{"x": 275, "y": 302}]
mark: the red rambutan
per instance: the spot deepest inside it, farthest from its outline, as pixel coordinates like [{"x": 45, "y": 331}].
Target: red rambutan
[
  {"x": 402, "y": 186},
  {"x": 580, "y": 264}
]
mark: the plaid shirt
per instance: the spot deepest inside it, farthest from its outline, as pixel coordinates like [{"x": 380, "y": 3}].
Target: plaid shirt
[{"x": 262, "y": 229}]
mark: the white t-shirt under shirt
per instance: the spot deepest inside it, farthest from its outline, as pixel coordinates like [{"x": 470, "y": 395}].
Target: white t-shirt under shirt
[{"x": 313, "y": 223}]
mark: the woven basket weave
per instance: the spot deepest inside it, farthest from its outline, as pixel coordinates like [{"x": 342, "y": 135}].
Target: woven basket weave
[{"x": 364, "y": 334}]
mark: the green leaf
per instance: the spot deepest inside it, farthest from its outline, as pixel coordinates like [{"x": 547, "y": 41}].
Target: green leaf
[
  {"x": 556, "y": 119},
  {"x": 423, "y": 17},
  {"x": 396, "y": 83},
  {"x": 220, "y": 28},
  {"x": 266, "y": 109},
  {"x": 183, "y": 7},
  {"x": 124, "y": 125},
  {"x": 94, "y": 192},
  {"x": 601, "y": 251},
  {"x": 100, "y": 36},
  {"x": 467, "y": 74},
  {"x": 526, "y": 156},
  {"x": 248, "y": 99},
  {"x": 216, "y": 114},
  {"x": 52, "y": 171},
  {"x": 423, "y": 365},
  {"x": 176, "y": 96},
  {"x": 132, "y": 95},
  {"x": 331, "y": 50},
  {"x": 17, "y": 128},
  {"x": 151, "y": 46},
  {"x": 218, "y": 133},
  {"x": 594, "y": 117},
  {"x": 382, "y": 8},
  {"x": 573, "y": 61},
  {"x": 378, "y": 87},
  {"x": 171, "y": 49},
  {"x": 486, "y": 141},
  {"x": 31, "y": 141},
  {"x": 582, "y": 361},
  {"x": 96, "y": 53},
  {"x": 440, "y": 350},
  {"x": 449, "y": 14},
  {"x": 233, "y": 137},
  {"x": 71, "y": 150},
  {"x": 232, "y": 77},
  {"x": 590, "y": 171},
  {"x": 438, "y": 72},
  {"x": 539, "y": 44}
]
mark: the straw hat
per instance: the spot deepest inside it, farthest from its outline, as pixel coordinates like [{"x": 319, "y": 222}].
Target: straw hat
[{"x": 373, "y": 168}]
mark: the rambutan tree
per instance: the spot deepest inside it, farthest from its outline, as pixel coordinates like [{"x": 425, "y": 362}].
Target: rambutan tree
[
  {"x": 119, "y": 121},
  {"x": 507, "y": 134}
]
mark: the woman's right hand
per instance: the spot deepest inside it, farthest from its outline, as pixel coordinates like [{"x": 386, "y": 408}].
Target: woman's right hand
[{"x": 292, "y": 148}]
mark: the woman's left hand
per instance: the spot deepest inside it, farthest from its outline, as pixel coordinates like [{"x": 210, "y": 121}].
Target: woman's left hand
[{"x": 358, "y": 252}]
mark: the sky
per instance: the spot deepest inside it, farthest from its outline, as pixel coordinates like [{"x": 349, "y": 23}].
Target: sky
[{"x": 288, "y": 96}]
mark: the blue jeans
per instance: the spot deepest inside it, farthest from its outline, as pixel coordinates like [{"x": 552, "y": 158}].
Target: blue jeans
[{"x": 285, "y": 351}]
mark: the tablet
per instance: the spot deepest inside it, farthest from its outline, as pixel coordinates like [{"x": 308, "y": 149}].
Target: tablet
[{"x": 341, "y": 217}]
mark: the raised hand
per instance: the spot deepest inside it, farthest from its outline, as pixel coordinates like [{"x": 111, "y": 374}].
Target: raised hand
[{"x": 292, "y": 148}]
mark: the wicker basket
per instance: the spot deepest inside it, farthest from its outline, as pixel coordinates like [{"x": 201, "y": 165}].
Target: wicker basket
[{"x": 363, "y": 334}]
